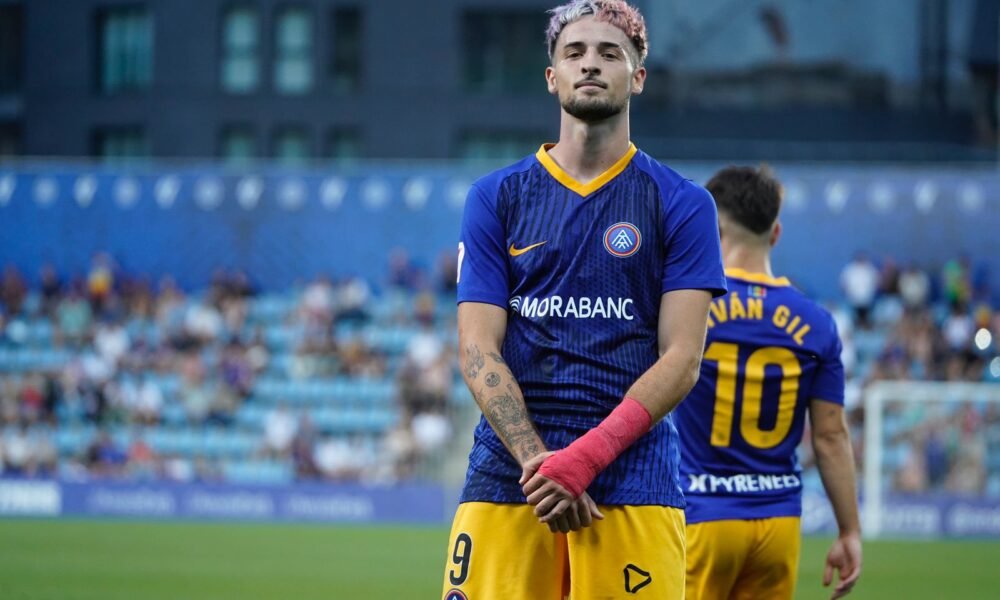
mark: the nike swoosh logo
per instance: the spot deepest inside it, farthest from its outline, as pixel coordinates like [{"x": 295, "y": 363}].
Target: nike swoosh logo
[{"x": 519, "y": 251}]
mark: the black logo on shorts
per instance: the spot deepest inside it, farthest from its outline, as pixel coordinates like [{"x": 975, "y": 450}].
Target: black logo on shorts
[{"x": 636, "y": 578}]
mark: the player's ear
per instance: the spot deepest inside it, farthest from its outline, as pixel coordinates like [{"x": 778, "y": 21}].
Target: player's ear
[
  {"x": 775, "y": 233},
  {"x": 638, "y": 80},
  {"x": 550, "y": 80}
]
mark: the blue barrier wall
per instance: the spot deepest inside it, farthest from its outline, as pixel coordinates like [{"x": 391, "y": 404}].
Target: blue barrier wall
[
  {"x": 405, "y": 503},
  {"x": 284, "y": 226},
  {"x": 931, "y": 516}
]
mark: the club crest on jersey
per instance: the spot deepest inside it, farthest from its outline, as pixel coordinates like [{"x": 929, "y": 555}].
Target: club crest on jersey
[
  {"x": 455, "y": 595},
  {"x": 622, "y": 239},
  {"x": 757, "y": 291}
]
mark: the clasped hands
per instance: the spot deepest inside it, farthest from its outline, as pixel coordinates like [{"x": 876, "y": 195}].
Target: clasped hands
[{"x": 554, "y": 505}]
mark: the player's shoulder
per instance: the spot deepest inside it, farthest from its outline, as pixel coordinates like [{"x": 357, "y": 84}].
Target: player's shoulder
[
  {"x": 675, "y": 188},
  {"x": 800, "y": 303},
  {"x": 489, "y": 185}
]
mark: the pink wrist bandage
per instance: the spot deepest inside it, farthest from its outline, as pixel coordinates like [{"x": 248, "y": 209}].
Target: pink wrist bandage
[{"x": 575, "y": 466}]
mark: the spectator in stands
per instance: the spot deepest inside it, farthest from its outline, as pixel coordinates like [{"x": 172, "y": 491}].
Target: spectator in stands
[
  {"x": 137, "y": 297},
  {"x": 236, "y": 372},
  {"x": 104, "y": 457},
  {"x": 111, "y": 341},
  {"x": 101, "y": 281},
  {"x": 50, "y": 288},
  {"x": 425, "y": 378},
  {"x": 315, "y": 356},
  {"x": 400, "y": 449},
  {"x": 358, "y": 359},
  {"x": 958, "y": 328},
  {"x": 203, "y": 323},
  {"x": 956, "y": 283},
  {"x": 17, "y": 451},
  {"x": 32, "y": 398},
  {"x": 196, "y": 391},
  {"x": 353, "y": 299},
  {"x": 304, "y": 445},
  {"x": 914, "y": 287},
  {"x": 74, "y": 316},
  {"x": 860, "y": 280},
  {"x": 447, "y": 273},
  {"x": 141, "y": 460},
  {"x": 340, "y": 459},
  {"x": 10, "y": 410},
  {"x": 280, "y": 426},
  {"x": 888, "y": 277},
  {"x": 177, "y": 468},
  {"x": 403, "y": 274},
  {"x": 169, "y": 310},
  {"x": 13, "y": 290},
  {"x": 257, "y": 354},
  {"x": 318, "y": 303},
  {"x": 912, "y": 475},
  {"x": 142, "y": 398}
]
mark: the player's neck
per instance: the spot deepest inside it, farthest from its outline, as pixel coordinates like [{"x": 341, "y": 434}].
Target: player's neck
[
  {"x": 751, "y": 260},
  {"x": 585, "y": 150}
]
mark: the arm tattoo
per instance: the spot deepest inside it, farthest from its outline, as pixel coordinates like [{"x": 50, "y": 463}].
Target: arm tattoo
[
  {"x": 492, "y": 379},
  {"x": 474, "y": 361},
  {"x": 496, "y": 358},
  {"x": 509, "y": 418}
]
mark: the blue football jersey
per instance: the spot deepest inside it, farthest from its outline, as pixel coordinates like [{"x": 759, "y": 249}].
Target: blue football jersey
[
  {"x": 769, "y": 351},
  {"x": 581, "y": 269}
]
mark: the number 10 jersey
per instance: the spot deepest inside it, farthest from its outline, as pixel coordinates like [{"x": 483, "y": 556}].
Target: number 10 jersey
[{"x": 770, "y": 350}]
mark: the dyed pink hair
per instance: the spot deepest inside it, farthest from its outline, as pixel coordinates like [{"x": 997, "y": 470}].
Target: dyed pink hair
[{"x": 619, "y": 13}]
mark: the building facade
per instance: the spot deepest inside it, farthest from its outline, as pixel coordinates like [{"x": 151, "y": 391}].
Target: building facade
[{"x": 316, "y": 80}]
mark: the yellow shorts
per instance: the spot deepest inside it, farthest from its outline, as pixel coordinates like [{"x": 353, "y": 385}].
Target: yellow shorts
[
  {"x": 502, "y": 552},
  {"x": 736, "y": 559}
]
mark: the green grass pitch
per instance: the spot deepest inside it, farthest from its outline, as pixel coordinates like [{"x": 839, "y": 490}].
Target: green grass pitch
[{"x": 70, "y": 560}]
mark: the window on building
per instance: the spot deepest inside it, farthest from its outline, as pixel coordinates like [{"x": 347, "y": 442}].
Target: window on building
[
  {"x": 291, "y": 145},
  {"x": 10, "y": 140},
  {"x": 345, "y": 63},
  {"x": 120, "y": 143},
  {"x": 343, "y": 144},
  {"x": 293, "y": 56},
  {"x": 503, "y": 51},
  {"x": 11, "y": 47},
  {"x": 238, "y": 144},
  {"x": 126, "y": 49},
  {"x": 240, "y": 71},
  {"x": 495, "y": 145}
]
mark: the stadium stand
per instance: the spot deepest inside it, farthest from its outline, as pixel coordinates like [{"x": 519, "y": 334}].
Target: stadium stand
[{"x": 109, "y": 376}]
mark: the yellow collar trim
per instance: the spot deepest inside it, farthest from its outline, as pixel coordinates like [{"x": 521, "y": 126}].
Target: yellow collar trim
[
  {"x": 584, "y": 189},
  {"x": 757, "y": 277}
]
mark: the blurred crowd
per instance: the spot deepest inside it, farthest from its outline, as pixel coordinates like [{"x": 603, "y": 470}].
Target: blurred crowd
[
  {"x": 142, "y": 356},
  {"x": 139, "y": 352},
  {"x": 914, "y": 324},
  {"x": 933, "y": 326}
]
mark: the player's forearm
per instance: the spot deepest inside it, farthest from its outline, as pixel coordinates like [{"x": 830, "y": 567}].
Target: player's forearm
[
  {"x": 662, "y": 387},
  {"x": 835, "y": 460},
  {"x": 499, "y": 397}
]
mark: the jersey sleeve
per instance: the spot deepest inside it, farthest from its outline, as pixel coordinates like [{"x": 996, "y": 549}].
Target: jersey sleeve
[
  {"x": 482, "y": 260},
  {"x": 828, "y": 384},
  {"x": 693, "y": 254}
]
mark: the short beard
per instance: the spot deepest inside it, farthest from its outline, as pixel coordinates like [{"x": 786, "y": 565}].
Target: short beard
[{"x": 593, "y": 111}]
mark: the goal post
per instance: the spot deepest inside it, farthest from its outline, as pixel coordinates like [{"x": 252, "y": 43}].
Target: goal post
[{"x": 893, "y": 409}]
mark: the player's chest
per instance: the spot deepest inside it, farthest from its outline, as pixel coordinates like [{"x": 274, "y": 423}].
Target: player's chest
[{"x": 604, "y": 238}]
